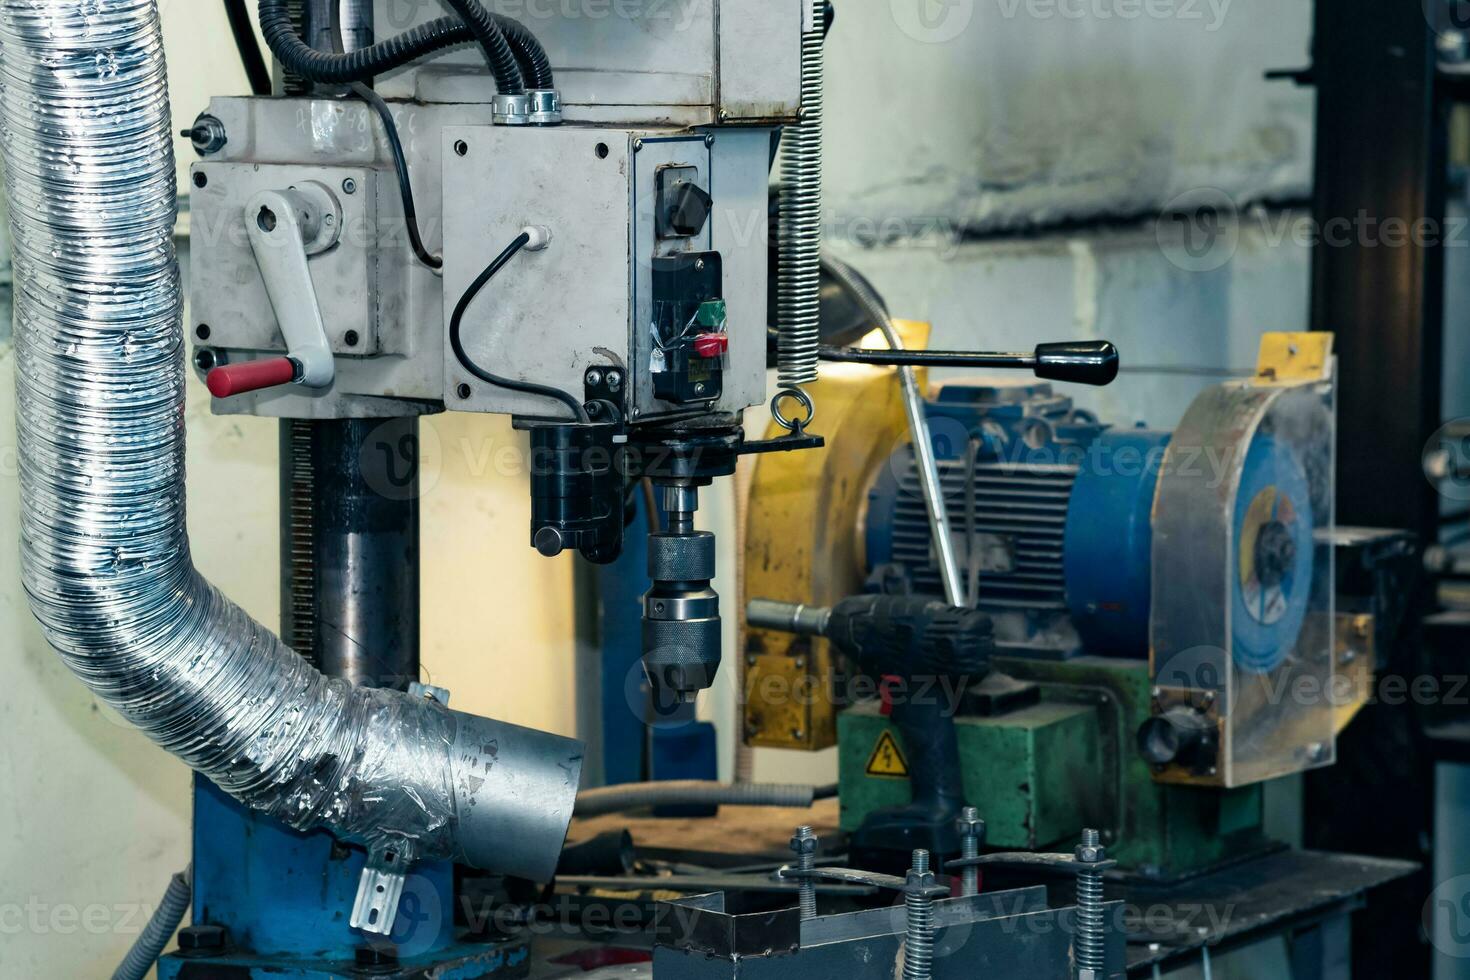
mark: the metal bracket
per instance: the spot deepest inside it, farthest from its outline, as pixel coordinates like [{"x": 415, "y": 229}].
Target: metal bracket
[
  {"x": 379, "y": 891},
  {"x": 853, "y": 876},
  {"x": 1025, "y": 859}
]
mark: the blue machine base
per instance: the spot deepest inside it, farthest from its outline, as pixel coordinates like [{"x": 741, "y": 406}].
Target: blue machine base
[
  {"x": 284, "y": 898},
  {"x": 464, "y": 961}
]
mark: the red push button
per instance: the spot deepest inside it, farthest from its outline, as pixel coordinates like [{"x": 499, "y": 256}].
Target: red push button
[{"x": 711, "y": 345}]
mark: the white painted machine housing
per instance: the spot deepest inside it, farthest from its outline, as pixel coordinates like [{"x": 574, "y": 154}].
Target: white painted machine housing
[{"x": 673, "y": 62}]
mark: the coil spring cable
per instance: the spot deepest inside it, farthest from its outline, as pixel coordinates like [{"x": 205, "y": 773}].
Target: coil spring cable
[{"x": 800, "y": 279}]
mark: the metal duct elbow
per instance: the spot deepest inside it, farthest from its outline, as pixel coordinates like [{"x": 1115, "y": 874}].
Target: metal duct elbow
[{"x": 105, "y": 555}]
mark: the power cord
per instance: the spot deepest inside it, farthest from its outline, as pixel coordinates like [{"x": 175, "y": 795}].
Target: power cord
[
  {"x": 400, "y": 166},
  {"x": 456, "y": 323}
]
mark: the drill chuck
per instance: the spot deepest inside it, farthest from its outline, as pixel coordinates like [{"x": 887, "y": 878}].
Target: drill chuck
[{"x": 681, "y": 616}]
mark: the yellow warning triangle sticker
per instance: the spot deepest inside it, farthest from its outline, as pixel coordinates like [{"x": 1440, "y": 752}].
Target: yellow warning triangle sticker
[{"x": 887, "y": 759}]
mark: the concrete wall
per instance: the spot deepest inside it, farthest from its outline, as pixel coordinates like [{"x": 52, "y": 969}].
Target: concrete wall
[{"x": 985, "y": 114}]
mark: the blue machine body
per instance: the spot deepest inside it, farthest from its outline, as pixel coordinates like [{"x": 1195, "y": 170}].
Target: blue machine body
[
  {"x": 285, "y": 898},
  {"x": 1062, "y": 533},
  {"x": 1108, "y": 557}
]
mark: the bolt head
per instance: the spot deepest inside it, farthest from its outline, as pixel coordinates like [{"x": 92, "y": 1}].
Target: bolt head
[
  {"x": 204, "y": 940},
  {"x": 550, "y": 542},
  {"x": 594, "y": 378},
  {"x": 1092, "y": 855}
]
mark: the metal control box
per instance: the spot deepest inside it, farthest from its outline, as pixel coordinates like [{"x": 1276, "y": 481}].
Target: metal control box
[{"x": 588, "y": 300}]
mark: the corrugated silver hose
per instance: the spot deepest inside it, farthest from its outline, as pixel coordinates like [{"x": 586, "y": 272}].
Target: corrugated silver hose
[
  {"x": 105, "y": 556},
  {"x": 799, "y": 281}
]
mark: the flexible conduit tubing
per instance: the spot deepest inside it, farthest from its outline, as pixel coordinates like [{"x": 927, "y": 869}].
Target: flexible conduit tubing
[{"x": 86, "y": 138}]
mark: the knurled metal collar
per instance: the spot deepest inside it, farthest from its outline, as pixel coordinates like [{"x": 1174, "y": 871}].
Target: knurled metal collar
[
  {"x": 511, "y": 110},
  {"x": 545, "y": 108}
]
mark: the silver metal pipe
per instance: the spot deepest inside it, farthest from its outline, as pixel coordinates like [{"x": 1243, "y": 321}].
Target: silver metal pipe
[
  {"x": 356, "y": 18},
  {"x": 86, "y": 136},
  {"x": 632, "y": 796},
  {"x": 787, "y": 617},
  {"x": 913, "y": 403}
]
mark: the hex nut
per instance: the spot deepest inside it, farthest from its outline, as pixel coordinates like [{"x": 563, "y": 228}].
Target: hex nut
[
  {"x": 968, "y": 828},
  {"x": 919, "y": 883}
]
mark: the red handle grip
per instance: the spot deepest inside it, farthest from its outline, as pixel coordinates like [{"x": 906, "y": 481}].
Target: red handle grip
[{"x": 236, "y": 379}]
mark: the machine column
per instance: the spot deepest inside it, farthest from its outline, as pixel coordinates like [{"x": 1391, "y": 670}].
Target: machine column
[{"x": 350, "y": 547}]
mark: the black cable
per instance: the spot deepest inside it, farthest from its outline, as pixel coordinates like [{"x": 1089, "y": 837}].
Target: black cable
[
  {"x": 400, "y": 166},
  {"x": 456, "y": 322},
  {"x": 385, "y": 56},
  {"x": 245, "y": 43}
]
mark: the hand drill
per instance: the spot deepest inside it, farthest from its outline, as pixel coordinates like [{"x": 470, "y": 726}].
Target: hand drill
[{"x": 937, "y": 650}]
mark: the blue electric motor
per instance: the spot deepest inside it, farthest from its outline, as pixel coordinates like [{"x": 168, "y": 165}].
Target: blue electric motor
[{"x": 1050, "y": 511}]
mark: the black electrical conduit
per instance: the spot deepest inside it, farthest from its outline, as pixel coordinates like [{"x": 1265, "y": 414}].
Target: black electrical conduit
[
  {"x": 250, "y": 57},
  {"x": 509, "y": 48}
]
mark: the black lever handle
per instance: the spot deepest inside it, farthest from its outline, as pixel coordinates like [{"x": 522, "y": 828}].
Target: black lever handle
[{"x": 1087, "y": 362}]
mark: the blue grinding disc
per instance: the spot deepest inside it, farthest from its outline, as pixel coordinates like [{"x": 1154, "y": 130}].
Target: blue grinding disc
[{"x": 1271, "y": 573}]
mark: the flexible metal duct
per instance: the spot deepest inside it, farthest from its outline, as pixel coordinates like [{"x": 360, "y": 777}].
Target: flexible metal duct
[{"x": 105, "y": 555}]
